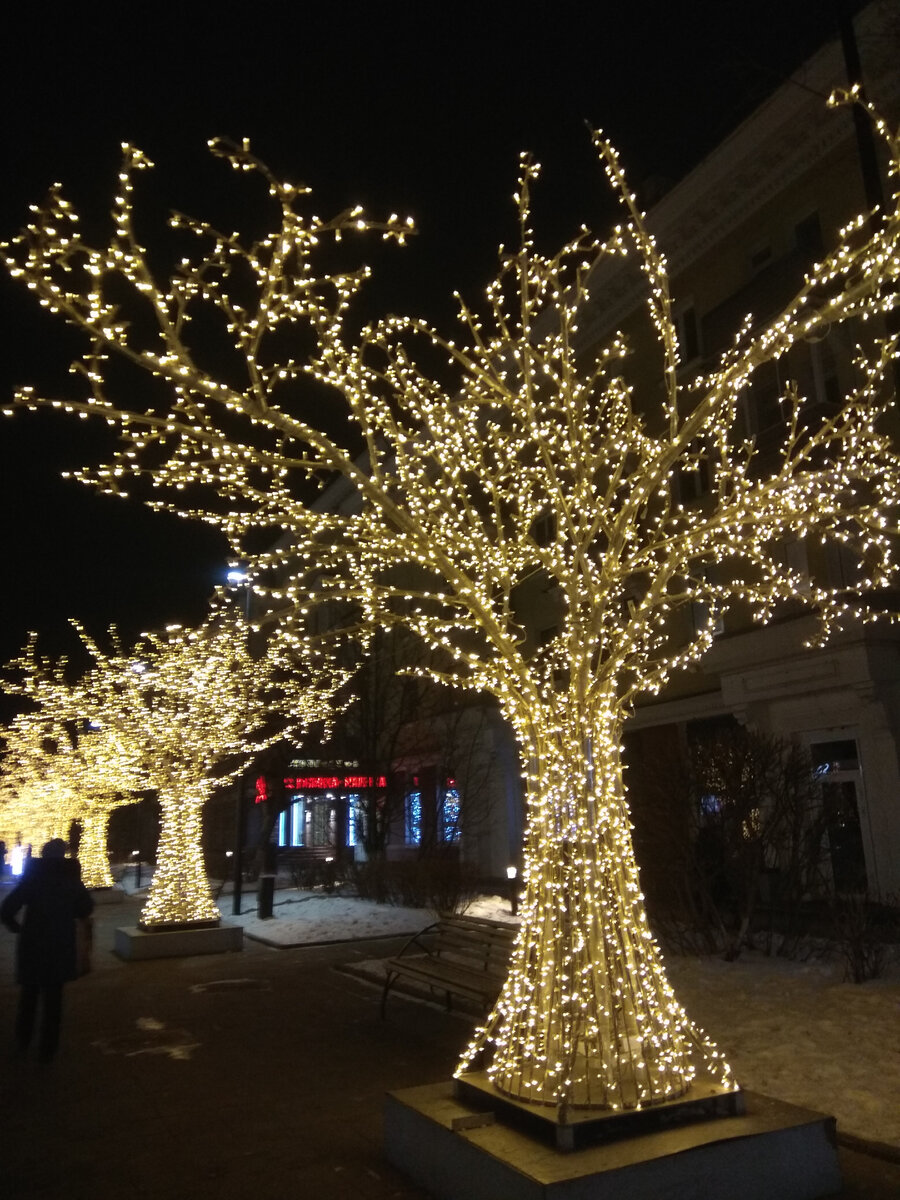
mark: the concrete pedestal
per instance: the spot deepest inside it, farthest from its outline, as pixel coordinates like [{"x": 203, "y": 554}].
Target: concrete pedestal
[
  {"x": 133, "y": 943},
  {"x": 773, "y": 1151}
]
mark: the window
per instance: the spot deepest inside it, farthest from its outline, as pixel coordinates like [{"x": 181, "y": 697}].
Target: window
[
  {"x": 765, "y": 410},
  {"x": 797, "y": 561},
  {"x": 760, "y": 257},
  {"x": 413, "y": 818},
  {"x": 543, "y": 529},
  {"x": 808, "y": 236},
  {"x": 837, "y": 767},
  {"x": 687, "y": 331},
  {"x": 700, "y": 610},
  {"x": 292, "y": 825},
  {"x": 693, "y": 479},
  {"x": 450, "y": 813},
  {"x": 842, "y": 565},
  {"x": 355, "y": 820}
]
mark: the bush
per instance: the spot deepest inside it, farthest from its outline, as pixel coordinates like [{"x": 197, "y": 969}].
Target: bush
[
  {"x": 436, "y": 881},
  {"x": 863, "y": 928},
  {"x": 730, "y": 835}
]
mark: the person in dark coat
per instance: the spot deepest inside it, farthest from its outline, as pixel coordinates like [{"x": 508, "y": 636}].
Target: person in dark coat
[{"x": 54, "y": 898}]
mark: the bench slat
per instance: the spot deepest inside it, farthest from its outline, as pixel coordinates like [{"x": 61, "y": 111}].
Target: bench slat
[{"x": 463, "y": 956}]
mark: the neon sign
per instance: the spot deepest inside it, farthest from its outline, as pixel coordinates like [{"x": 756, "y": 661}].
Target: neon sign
[{"x": 314, "y": 783}]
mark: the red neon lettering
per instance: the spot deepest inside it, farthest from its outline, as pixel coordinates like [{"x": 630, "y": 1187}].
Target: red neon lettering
[{"x": 313, "y": 783}]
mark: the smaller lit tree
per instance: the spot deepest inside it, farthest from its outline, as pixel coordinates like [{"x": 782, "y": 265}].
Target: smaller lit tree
[
  {"x": 72, "y": 757},
  {"x": 199, "y": 704},
  {"x": 179, "y": 713},
  {"x": 37, "y": 800}
]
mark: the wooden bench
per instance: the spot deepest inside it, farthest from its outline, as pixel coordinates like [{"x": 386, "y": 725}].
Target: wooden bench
[{"x": 457, "y": 955}]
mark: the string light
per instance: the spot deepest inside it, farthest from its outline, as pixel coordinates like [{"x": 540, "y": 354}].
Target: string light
[{"x": 526, "y": 456}]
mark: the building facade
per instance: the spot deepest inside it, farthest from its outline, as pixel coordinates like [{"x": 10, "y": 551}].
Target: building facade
[{"x": 738, "y": 234}]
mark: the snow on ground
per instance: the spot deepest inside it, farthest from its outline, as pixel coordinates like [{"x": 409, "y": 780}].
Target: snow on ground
[
  {"x": 792, "y": 1030},
  {"x": 799, "y": 1032},
  {"x": 307, "y": 918}
]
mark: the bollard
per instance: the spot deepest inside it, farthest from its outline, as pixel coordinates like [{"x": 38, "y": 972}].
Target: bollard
[{"x": 265, "y": 897}]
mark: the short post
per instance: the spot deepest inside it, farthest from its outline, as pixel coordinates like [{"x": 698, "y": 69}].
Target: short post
[
  {"x": 265, "y": 897},
  {"x": 511, "y": 873},
  {"x": 136, "y": 855}
]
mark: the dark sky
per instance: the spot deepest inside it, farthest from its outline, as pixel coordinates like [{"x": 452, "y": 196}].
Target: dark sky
[{"x": 417, "y": 107}]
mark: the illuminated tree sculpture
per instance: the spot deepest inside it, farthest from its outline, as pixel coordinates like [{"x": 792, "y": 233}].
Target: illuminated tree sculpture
[
  {"x": 38, "y": 800},
  {"x": 199, "y": 703},
  {"x": 74, "y": 749},
  {"x": 519, "y": 452},
  {"x": 180, "y": 713}
]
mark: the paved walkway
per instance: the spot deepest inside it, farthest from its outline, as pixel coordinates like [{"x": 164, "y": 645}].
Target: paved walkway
[{"x": 238, "y": 1077}]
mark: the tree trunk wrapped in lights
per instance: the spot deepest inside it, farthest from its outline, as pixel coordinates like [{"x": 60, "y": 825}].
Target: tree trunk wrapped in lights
[
  {"x": 92, "y": 846},
  {"x": 587, "y": 1017},
  {"x": 519, "y": 455},
  {"x": 180, "y": 890}
]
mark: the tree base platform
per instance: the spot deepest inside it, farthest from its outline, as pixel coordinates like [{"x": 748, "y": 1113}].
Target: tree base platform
[
  {"x": 460, "y": 1151},
  {"x": 133, "y": 943},
  {"x": 705, "y": 1100}
]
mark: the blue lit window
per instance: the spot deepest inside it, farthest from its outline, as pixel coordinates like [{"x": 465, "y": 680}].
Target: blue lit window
[
  {"x": 290, "y": 825},
  {"x": 414, "y": 818},
  {"x": 710, "y": 805},
  {"x": 354, "y": 819},
  {"x": 450, "y": 830},
  {"x": 297, "y": 814}
]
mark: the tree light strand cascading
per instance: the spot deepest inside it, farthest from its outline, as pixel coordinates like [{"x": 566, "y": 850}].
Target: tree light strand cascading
[{"x": 521, "y": 456}]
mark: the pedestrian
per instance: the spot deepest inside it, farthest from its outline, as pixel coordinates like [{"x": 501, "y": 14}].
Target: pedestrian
[{"x": 54, "y": 898}]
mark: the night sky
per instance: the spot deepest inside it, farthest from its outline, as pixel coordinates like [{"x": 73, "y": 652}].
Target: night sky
[{"x": 416, "y": 107}]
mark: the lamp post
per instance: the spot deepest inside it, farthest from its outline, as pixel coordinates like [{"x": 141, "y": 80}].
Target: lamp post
[{"x": 237, "y": 578}]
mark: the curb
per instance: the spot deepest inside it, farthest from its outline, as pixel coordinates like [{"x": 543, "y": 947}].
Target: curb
[{"x": 883, "y": 1150}]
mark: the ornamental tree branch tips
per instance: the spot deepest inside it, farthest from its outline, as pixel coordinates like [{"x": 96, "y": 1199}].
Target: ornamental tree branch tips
[{"x": 518, "y": 453}]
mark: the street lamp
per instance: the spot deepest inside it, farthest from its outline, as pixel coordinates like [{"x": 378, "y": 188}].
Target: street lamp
[{"x": 239, "y": 578}]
